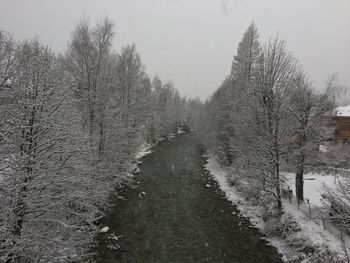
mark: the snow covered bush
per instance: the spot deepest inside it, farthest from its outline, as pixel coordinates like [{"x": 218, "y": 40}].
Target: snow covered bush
[
  {"x": 337, "y": 204},
  {"x": 273, "y": 226},
  {"x": 306, "y": 249}
]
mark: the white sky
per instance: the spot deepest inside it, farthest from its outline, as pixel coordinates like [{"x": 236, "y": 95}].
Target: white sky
[{"x": 192, "y": 42}]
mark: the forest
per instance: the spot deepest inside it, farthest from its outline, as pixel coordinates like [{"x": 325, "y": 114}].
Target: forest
[
  {"x": 69, "y": 130},
  {"x": 71, "y": 126}
]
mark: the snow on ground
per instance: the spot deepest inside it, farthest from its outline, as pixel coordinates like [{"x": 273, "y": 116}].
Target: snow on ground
[
  {"x": 313, "y": 190},
  {"x": 323, "y": 148},
  {"x": 179, "y": 131},
  {"x": 132, "y": 167},
  {"x": 251, "y": 212},
  {"x": 171, "y": 136},
  {"x": 314, "y": 232},
  {"x": 220, "y": 175},
  {"x": 144, "y": 150},
  {"x": 136, "y": 170},
  {"x": 314, "y": 184},
  {"x": 104, "y": 229}
]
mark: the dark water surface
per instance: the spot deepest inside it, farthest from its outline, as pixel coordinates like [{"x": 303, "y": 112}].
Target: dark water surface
[{"x": 179, "y": 219}]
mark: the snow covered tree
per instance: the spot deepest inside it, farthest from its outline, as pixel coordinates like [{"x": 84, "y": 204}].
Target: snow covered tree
[
  {"x": 87, "y": 61},
  {"x": 221, "y": 121},
  {"x": 274, "y": 78},
  {"x": 7, "y": 57},
  {"x": 130, "y": 75},
  {"x": 309, "y": 109},
  {"x": 235, "y": 95},
  {"x": 248, "y": 52},
  {"x": 34, "y": 197},
  {"x": 169, "y": 109}
]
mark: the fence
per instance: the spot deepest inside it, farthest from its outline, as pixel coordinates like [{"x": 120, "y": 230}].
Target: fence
[{"x": 317, "y": 215}]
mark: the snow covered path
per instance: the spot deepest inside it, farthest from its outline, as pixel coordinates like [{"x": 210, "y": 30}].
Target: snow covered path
[{"x": 177, "y": 213}]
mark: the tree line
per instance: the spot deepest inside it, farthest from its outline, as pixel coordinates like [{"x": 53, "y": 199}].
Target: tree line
[
  {"x": 70, "y": 126},
  {"x": 266, "y": 117}
]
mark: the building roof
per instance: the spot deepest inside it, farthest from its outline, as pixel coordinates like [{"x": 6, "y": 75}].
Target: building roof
[{"x": 343, "y": 111}]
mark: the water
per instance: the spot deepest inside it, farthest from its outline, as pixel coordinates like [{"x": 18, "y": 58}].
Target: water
[{"x": 178, "y": 218}]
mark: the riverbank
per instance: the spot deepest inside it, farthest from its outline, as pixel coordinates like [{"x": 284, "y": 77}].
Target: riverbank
[{"x": 296, "y": 237}]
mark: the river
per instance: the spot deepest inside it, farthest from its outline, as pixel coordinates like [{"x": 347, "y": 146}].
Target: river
[{"x": 170, "y": 215}]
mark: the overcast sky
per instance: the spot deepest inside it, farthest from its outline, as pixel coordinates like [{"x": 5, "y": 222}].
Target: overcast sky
[{"x": 192, "y": 42}]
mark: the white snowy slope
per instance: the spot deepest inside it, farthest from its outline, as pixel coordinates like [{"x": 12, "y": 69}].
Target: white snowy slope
[{"x": 314, "y": 184}]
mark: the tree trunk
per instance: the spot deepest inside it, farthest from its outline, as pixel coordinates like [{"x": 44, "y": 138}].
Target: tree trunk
[
  {"x": 299, "y": 178},
  {"x": 278, "y": 197},
  {"x": 20, "y": 212},
  {"x": 228, "y": 153},
  {"x": 299, "y": 175},
  {"x": 101, "y": 140},
  {"x": 276, "y": 149}
]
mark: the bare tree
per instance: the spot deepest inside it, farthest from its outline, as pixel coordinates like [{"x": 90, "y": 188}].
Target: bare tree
[
  {"x": 7, "y": 57},
  {"x": 274, "y": 77},
  {"x": 35, "y": 144},
  {"x": 87, "y": 61},
  {"x": 310, "y": 110},
  {"x": 130, "y": 74}
]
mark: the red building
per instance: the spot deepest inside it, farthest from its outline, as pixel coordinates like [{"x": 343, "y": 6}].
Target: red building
[{"x": 342, "y": 123}]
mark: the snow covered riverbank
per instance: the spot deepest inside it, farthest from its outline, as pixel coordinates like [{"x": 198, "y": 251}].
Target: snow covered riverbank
[{"x": 305, "y": 234}]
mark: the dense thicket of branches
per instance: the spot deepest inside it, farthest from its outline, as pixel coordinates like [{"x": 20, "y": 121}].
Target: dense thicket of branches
[
  {"x": 69, "y": 127},
  {"x": 265, "y": 117}
]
